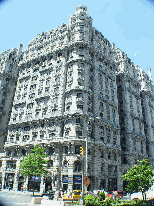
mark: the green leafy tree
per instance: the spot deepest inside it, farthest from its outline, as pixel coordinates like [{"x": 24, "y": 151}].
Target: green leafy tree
[
  {"x": 139, "y": 177},
  {"x": 35, "y": 163}
]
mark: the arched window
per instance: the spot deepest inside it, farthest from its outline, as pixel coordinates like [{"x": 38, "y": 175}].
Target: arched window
[{"x": 77, "y": 166}]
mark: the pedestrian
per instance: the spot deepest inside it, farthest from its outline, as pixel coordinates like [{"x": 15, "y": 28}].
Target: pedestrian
[
  {"x": 115, "y": 195},
  {"x": 59, "y": 194}
]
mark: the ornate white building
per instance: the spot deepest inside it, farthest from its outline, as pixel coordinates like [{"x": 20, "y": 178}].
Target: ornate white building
[{"x": 76, "y": 89}]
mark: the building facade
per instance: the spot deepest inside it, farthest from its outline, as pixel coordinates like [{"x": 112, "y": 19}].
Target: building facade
[{"x": 74, "y": 88}]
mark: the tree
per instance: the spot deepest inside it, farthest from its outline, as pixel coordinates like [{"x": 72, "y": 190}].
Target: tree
[
  {"x": 139, "y": 177},
  {"x": 34, "y": 164}
]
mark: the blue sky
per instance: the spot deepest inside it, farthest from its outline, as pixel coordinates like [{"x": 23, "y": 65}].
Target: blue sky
[{"x": 127, "y": 23}]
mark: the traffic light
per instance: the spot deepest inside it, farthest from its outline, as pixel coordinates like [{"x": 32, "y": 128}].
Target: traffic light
[{"x": 82, "y": 150}]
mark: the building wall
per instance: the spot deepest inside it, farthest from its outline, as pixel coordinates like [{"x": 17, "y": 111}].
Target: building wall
[
  {"x": 75, "y": 89},
  {"x": 8, "y": 78}
]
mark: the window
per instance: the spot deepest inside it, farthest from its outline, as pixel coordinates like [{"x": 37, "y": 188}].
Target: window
[
  {"x": 17, "y": 137},
  {"x": 41, "y": 83},
  {"x": 78, "y": 133},
  {"x": 50, "y": 150},
  {"x": 101, "y": 104},
  {"x": 57, "y": 79},
  {"x": 77, "y": 166},
  {"x": 80, "y": 84},
  {"x": 77, "y": 149},
  {"x": 109, "y": 155},
  {"x": 55, "y": 99},
  {"x": 79, "y": 95},
  {"x": 56, "y": 89},
  {"x": 66, "y": 149},
  {"x": 80, "y": 107},
  {"x": 78, "y": 121},
  {"x": 67, "y": 133},
  {"x": 102, "y": 139},
  {"x": 46, "y": 89},
  {"x": 65, "y": 163},
  {"x": 27, "y": 128},
  {"x": 81, "y": 65},
  {"x": 112, "y": 91},
  {"x": 68, "y": 108},
  {"x": 102, "y": 154},
  {"x": 51, "y": 124},
  {"x": 47, "y": 82},
  {"x": 50, "y": 163}
]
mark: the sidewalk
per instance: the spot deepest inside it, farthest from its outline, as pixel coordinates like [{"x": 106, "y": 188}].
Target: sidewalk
[{"x": 21, "y": 192}]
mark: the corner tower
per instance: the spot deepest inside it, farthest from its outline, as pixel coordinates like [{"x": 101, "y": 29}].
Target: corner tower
[{"x": 80, "y": 25}]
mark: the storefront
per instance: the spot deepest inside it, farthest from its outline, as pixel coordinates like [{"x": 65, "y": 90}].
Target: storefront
[
  {"x": 102, "y": 184},
  {"x": 48, "y": 183},
  {"x": 34, "y": 183},
  {"x": 112, "y": 184},
  {"x": 77, "y": 182},
  {"x": 20, "y": 183},
  {"x": 65, "y": 182},
  {"x": 9, "y": 180}
]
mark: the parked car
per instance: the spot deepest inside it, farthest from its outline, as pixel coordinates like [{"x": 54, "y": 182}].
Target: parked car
[
  {"x": 136, "y": 196},
  {"x": 49, "y": 194},
  {"x": 119, "y": 194},
  {"x": 77, "y": 194},
  {"x": 65, "y": 196},
  {"x": 95, "y": 192},
  {"x": 109, "y": 195}
]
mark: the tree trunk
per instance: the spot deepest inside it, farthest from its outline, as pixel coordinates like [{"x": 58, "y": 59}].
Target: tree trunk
[{"x": 33, "y": 188}]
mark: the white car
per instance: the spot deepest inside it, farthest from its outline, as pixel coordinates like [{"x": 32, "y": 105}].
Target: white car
[
  {"x": 136, "y": 195},
  {"x": 96, "y": 191}
]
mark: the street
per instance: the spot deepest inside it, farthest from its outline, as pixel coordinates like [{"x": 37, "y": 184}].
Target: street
[{"x": 14, "y": 198}]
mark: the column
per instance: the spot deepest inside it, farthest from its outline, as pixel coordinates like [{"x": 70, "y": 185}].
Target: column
[
  {"x": 42, "y": 185},
  {"x": 70, "y": 176},
  {"x": 16, "y": 178},
  {"x": 26, "y": 183},
  {"x": 3, "y": 173}
]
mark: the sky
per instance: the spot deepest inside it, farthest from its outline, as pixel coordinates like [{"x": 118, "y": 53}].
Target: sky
[{"x": 129, "y": 24}]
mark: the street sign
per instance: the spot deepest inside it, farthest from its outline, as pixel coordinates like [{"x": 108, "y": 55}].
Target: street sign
[{"x": 86, "y": 181}]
